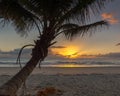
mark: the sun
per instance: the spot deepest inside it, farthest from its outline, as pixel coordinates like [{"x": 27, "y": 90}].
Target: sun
[{"x": 68, "y": 52}]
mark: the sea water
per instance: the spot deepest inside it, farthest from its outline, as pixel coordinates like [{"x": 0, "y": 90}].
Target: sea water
[{"x": 89, "y": 62}]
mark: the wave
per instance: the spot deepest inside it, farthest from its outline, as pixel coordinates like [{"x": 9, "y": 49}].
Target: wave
[
  {"x": 65, "y": 62},
  {"x": 83, "y": 62},
  {"x": 10, "y": 62},
  {"x": 57, "y": 63}
]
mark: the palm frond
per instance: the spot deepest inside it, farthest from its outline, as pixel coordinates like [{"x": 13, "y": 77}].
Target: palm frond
[
  {"x": 19, "y": 17},
  {"x": 67, "y": 26},
  {"x": 24, "y": 15},
  {"x": 70, "y": 33},
  {"x": 81, "y": 10}
]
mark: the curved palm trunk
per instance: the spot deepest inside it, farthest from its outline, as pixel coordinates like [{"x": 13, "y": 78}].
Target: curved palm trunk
[
  {"x": 10, "y": 88},
  {"x": 38, "y": 53}
]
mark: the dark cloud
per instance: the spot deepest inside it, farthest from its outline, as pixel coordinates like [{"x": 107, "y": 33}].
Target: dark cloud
[
  {"x": 53, "y": 56},
  {"x": 110, "y": 55},
  {"x": 58, "y": 47},
  {"x": 14, "y": 53}
]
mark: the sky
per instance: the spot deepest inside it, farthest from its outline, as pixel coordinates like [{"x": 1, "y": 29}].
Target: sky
[{"x": 102, "y": 42}]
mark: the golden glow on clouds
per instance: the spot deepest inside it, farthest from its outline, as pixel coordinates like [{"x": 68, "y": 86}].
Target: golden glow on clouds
[
  {"x": 68, "y": 52},
  {"x": 110, "y": 18},
  {"x": 69, "y": 65}
]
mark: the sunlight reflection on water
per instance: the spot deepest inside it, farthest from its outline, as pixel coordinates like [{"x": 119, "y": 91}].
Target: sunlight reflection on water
[{"x": 78, "y": 65}]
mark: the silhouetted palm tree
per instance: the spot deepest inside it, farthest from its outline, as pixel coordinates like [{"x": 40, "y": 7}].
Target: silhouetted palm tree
[{"x": 51, "y": 18}]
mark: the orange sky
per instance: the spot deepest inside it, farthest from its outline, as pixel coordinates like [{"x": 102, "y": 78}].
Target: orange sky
[{"x": 70, "y": 51}]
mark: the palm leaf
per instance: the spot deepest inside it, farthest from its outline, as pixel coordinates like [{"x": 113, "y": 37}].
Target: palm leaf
[
  {"x": 81, "y": 10},
  {"x": 22, "y": 19},
  {"x": 71, "y": 32},
  {"x": 67, "y": 26}
]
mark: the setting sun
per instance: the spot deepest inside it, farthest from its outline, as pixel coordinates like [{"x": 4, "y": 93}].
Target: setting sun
[{"x": 68, "y": 52}]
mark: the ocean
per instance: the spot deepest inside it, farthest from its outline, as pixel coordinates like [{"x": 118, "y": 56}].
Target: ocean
[{"x": 89, "y": 62}]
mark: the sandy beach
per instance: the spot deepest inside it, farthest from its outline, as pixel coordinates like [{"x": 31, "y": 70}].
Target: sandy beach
[
  {"x": 70, "y": 81},
  {"x": 52, "y": 71}
]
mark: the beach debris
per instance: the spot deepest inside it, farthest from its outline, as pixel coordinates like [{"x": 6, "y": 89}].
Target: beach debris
[
  {"x": 118, "y": 44},
  {"x": 48, "y": 91}
]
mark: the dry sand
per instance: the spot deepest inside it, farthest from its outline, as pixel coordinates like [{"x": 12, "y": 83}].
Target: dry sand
[
  {"x": 52, "y": 71},
  {"x": 71, "y": 81}
]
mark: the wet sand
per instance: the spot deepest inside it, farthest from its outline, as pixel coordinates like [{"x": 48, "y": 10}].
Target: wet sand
[{"x": 52, "y": 71}]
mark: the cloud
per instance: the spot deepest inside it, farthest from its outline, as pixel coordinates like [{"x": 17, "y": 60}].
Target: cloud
[
  {"x": 113, "y": 55},
  {"x": 26, "y": 54},
  {"x": 58, "y": 47},
  {"x": 14, "y": 53},
  {"x": 107, "y": 16},
  {"x": 110, "y": 55},
  {"x": 110, "y": 18}
]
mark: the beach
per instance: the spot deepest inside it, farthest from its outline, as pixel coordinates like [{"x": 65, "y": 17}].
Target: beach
[
  {"x": 62, "y": 70},
  {"x": 97, "y": 81}
]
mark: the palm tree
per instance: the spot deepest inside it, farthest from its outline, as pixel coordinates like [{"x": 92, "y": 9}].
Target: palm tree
[{"x": 51, "y": 18}]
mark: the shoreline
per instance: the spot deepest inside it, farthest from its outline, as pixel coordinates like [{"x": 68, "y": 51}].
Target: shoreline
[{"x": 60, "y": 70}]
